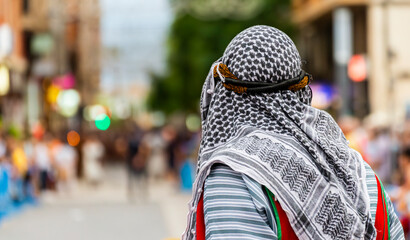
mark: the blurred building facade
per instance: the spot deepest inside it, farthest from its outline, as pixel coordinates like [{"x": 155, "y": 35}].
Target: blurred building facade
[
  {"x": 54, "y": 43},
  {"x": 89, "y": 57},
  {"x": 12, "y": 63},
  {"x": 335, "y": 33}
]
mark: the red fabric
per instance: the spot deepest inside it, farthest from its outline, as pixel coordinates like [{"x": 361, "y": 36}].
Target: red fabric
[
  {"x": 381, "y": 215},
  {"x": 287, "y": 230},
  {"x": 406, "y": 224},
  {"x": 200, "y": 220}
]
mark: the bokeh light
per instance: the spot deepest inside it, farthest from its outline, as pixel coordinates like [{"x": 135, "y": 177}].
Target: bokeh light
[
  {"x": 193, "y": 122},
  {"x": 4, "y": 80},
  {"x": 158, "y": 118},
  {"x": 73, "y": 138},
  {"x": 102, "y": 122},
  {"x": 66, "y": 81},
  {"x": 323, "y": 95},
  {"x": 121, "y": 108},
  {"x": 38, "y": 130},
  {"x": 52, "y": 93},
  {"x": 86, "y": 113},
  {"x": 68, "y": 102},
  {"x": 357, "y": 68},
  {"x": 91, "y": 112}
]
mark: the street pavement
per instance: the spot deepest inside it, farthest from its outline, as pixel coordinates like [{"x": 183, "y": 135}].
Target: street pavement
[{"x": 103, "y": 213}]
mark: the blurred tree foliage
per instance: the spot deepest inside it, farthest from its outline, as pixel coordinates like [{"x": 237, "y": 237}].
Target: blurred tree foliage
[{"x": 194, "y": 43}]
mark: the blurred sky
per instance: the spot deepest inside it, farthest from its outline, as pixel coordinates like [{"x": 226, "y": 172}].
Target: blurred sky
[{"x": 133, "y": 34}]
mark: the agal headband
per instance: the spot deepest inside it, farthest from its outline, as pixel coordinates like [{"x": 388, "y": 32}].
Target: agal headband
[{"x": 231, "y": 82}]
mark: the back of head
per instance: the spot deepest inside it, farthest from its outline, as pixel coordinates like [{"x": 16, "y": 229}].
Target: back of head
[{"x": 264, "y": 54}]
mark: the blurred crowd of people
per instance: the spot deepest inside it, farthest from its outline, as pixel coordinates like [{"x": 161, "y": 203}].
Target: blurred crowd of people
[
  {"x": 46, "y": 163},
  {"x": 161, "y": 153},
  {"x": 43, "y": 163},
  {"x": 387, "y": 150}
]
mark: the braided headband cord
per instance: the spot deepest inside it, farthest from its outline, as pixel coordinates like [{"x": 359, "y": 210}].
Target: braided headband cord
[{"x": 231, "y": 82}]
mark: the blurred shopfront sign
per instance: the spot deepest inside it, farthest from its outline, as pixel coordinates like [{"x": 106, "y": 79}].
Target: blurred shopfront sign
[{"x": 6, "y": 40}]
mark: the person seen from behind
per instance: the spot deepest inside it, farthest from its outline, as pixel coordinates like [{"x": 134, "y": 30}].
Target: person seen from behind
[{"x": 270, "y": 165}]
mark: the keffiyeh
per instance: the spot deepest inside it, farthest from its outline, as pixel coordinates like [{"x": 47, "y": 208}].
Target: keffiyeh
[{"x": 298, "y": 152}]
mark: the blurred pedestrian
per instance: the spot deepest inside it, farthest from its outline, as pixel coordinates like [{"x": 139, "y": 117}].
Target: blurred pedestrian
[
  {"x": 31, "y": 180},
  {"x": 402, "y": 200},
  {"x": 270, "y": 165},
  {"x": 172, "y": 139},
  {"x": 65, "y": 157},
  {"x": 5, "y": 199},
  {"x": 93, "y": 151},
  {"x": 138, "y": 153},
  {"x": 19, "y": 158},
  {"x": 405, "y": 135},
  {"x": 189, "y": 151},
  {"x": 20, "y": 166},
  {"x": 355, "y": 134},
  {"x": 42, "y": 159},
  {"x": 379, "y": 153},
  {"x": 155, "y": 143},
  {"x": 3, "y": 147}
]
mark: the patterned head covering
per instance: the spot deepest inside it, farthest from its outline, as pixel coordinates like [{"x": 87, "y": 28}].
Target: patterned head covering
[{"x": 298, "y": 152}]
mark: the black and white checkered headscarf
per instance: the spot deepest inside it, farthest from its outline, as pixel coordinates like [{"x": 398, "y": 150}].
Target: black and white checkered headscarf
[{"x": 298, "y": 152}]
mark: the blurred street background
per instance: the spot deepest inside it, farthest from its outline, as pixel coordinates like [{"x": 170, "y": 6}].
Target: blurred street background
[{"x": 99, "y": 103}]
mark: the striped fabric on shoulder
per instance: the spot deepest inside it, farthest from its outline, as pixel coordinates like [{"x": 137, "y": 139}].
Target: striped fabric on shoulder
[
  {"x": 236, "y": 207},
  {"x": 371, "y": 183},
  {"x": 396, "y": 230}
]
